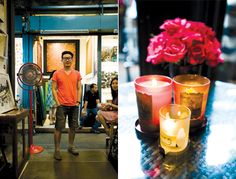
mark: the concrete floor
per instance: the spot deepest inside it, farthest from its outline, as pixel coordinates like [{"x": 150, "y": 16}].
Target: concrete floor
[{"x": 91, "y": 163}]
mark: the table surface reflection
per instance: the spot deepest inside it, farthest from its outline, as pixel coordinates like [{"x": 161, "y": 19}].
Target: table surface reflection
[{"x": 211, "y": 152}]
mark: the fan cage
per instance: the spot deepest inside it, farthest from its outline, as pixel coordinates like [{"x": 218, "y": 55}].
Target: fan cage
[{"x": 30, "y": 74}]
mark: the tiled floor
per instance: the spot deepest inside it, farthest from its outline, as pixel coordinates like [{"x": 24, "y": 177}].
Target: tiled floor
[{"x": 91, "y": 163}]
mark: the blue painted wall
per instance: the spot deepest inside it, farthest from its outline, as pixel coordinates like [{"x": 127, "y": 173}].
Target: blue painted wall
[
  {"x": 41, "y": 23},
  {"x": 27, "y": 57}
]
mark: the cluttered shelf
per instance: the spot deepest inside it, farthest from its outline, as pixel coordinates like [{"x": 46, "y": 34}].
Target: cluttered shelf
[{"x": 211, "y": 152}]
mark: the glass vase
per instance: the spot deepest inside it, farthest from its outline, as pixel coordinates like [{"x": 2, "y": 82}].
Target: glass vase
[{"x": 176, "y": 69}]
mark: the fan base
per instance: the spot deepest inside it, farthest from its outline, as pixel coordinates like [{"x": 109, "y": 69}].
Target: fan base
[{"x": 34, "y": 149}]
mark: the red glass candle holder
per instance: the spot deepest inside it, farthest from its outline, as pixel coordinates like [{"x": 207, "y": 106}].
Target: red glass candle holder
[
  {"x": 152, "y": 92},
  {"x": 192, "y": 91}
]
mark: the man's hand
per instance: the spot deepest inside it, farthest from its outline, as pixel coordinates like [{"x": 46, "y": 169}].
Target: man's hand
[
  {"x": 77, "y": 103},
  {"x": 84, "y": 112},
  {"x": 58, "y": 104}
]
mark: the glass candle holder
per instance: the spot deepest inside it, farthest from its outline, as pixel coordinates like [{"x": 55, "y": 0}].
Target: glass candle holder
[
  {"x": 192, "y": 91},
  {"x": 152, "y": 92},
  {"x": 174, "y": 127}
]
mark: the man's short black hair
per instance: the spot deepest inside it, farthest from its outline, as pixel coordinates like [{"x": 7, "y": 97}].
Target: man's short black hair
[
  {"x": 67, "y": 52},
  {"x": 92, "y": 85}
]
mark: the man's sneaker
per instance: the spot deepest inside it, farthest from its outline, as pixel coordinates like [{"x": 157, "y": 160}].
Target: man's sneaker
[
  {"x": 95, "y": 131},
  {"x": 57, "y": 155},
  {"x": 73, "y": 150}
]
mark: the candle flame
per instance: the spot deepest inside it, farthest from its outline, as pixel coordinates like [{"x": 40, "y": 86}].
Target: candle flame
[
  {"x": 179, "y": 113},
  {"x": 154, "y": 82},
  {"x": 190, "y": 90},
  {"x": 169, "y": 124}
]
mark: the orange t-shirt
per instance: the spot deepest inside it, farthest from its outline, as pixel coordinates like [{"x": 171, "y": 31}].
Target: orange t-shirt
[{"x": 67, "y": 86}]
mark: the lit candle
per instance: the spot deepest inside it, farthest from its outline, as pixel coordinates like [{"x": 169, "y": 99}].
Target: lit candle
[
  {"x": 192, "y": 91},
  {"x": 153, "y": 92},
  {"x": 153, "y": 83},
  {"x": 174, "y": 127},
  {"x": 169, "y": 125}
]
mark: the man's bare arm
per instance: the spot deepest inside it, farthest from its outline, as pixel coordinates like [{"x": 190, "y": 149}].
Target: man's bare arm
[
  {"x": 79, "y": 91},
  {"x": 54, "y": 92}
]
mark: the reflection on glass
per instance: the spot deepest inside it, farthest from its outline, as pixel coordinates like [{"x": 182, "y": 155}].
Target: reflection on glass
[
  {"x": 155, "y": 165},
  {"x": 150, "y": 158}
]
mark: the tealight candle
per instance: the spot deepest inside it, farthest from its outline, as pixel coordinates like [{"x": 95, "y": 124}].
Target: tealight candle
[
  {"x": 153, "y": 92},
  {"x": 192, "y": 91},
  {"x": 174, "y": 127}
]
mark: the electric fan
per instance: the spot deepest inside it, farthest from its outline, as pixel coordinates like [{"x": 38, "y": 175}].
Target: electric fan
[{"x": 30, "y": 75}]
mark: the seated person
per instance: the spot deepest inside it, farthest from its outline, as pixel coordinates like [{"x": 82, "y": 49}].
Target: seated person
[
  {"x": 91, "y": 100},
  {"x": 109, "y": 111}
]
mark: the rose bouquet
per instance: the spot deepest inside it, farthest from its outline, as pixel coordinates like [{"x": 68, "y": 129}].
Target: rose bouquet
[{"x": 185, "y": 42}]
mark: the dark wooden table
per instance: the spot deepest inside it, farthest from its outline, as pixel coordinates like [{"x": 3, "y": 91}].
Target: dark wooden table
[
  {"x": 14, "y": 135},
  {"x": 211, "y": 152}
]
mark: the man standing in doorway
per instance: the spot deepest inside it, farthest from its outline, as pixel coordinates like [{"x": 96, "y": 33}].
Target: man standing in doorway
[{"x": 66, "y": 89}]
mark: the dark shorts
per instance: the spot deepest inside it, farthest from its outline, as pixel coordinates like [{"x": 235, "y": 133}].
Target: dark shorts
[{"x": 67, "y": 111}]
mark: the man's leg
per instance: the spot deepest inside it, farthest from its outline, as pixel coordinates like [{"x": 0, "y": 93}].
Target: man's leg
[
  {"x": 57, "y": 139},
  {"x": 71, "y": 136},
  {"x": 73, "y": 124},
  {"x": 96, "y": 122},
  {"x": 54, "y": 110},
  {"x": 60, "y": 124},
  {"x": 89, "y": 117}
]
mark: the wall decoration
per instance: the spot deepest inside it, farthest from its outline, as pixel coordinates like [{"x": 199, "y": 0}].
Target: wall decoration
[
  {"x": 3, "y": 64},
  {"x": 2, "y": 11},
  {"x": 109, "y": 54},
  {"x": 91, "y": 56},
  {"x": 53, "y": 50},
  {"x": 3, "y": 44},
  {"x": 39, "y": 54},
  {"x": 7, "y": 101},
  {"x": 18, "y": 63},
  {"x": 107, "y": 77}
]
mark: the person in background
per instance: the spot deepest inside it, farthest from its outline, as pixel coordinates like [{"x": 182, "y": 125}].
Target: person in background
[
  {"x": 91, "y": 100},
  {"x": 50, "y": 102},
  {"x": 66, "y": 89},
  {"x": 109, "y": 111}
]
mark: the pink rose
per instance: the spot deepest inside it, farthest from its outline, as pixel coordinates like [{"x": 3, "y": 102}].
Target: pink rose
[
  {"x": 174, "y": 50},
  {"x": 190, "y": 38},
  {"x": 213, "y": 53},
  {"x": 181, "y": 40},
  {"x": 196, "y": 54},
  {"x": 202, "y": 29},
  {"x": 174, "y": 26},
  {"x": 155, "y": 49}
]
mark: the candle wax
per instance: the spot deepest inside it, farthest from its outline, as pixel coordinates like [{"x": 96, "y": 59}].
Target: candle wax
[{"x": 153, "y": 83}]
